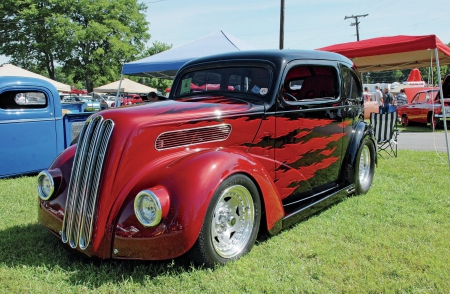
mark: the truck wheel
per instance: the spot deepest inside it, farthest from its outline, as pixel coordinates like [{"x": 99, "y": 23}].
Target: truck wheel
[
  {"x": 231, "y": 223},
  {"x": 365, "y": 166}
]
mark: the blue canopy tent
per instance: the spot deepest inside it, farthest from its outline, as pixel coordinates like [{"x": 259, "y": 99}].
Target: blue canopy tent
[{"x": 166, "y": 64}]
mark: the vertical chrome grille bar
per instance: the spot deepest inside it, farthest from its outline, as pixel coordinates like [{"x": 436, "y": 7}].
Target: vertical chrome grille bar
[
  {"x": 95, "y": 175},
  {"x": 73, "y": 185},
  {"x": 84, "y": 182}
]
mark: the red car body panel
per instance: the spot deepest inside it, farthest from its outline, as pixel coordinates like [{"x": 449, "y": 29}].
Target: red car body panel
[{"x": 297, "y": 155}]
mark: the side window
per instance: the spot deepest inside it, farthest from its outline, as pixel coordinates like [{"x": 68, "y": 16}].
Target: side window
[
  {"x": 22, "y": 100},
  {"x": 308, "y": 82},
  {"x": 423, "y": 97},
  {"x": 351, "y": 87}
]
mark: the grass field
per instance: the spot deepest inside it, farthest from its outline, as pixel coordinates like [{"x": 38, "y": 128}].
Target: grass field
[{"x": 395, "y": 239}]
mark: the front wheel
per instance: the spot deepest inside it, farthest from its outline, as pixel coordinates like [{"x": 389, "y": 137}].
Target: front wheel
[
  {"x": 365, "y": 166},
  {"x": 231, "y": 223},
  {"x": 434, "y": 123},
  {"x": 405, "y": 120}
]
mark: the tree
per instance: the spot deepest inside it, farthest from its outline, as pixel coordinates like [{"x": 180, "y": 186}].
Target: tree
[
  {"x": 89, "y": 39},
  {"x": 25, "y": 35}
]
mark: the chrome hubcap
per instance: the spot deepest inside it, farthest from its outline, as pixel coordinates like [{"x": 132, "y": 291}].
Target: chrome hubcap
[
  {"x": 232, "y": 222},
  {"x": 364, "y": 165}
]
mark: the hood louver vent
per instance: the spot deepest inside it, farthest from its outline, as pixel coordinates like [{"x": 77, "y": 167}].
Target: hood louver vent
[{"x": 189, "y": 137}]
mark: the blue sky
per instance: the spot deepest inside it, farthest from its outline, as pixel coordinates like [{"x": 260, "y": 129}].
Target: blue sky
[{"x": 308, "y": 24}]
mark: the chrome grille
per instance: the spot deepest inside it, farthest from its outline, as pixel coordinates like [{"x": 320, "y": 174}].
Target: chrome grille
[
  {"x": 84, "y": 182},
  {"x": 188, "y": 137}
]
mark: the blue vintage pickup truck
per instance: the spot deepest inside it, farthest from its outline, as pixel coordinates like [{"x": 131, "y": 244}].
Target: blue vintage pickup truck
[{"x": 33, "y": 129}]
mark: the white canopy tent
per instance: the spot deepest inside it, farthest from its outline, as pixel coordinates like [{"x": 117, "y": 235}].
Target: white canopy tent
[
  {"x": 124, "y": 86},
  {"x": 12, "y": 70}
]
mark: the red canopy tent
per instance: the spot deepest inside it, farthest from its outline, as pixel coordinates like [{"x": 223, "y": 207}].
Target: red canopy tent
[{"x": 395, "y": 52}]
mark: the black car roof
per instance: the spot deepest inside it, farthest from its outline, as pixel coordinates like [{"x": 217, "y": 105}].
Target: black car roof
[{"x": 277, "y": 57}]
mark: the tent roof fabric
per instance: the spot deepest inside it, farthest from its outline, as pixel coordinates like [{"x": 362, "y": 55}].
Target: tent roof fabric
[
  {"x": 167, "y": 63},
  {"x": 395, "y": 52},
  {"x": 127, "y": 86},
  {"x": 12, "y": 70}
]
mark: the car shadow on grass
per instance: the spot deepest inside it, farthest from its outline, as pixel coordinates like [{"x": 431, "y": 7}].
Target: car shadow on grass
[{"x": 32, "y": 246}]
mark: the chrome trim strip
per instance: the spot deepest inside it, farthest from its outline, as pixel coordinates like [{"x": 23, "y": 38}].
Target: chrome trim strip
[{"x": 27, "y": 120}]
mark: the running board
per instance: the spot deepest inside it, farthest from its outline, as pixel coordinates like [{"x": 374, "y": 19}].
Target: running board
[{"x": 315, "y": 207}]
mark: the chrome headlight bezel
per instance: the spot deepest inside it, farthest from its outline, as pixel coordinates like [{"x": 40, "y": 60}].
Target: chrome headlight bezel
[
  {"x": 147, "y": 216},
  {"x": 45, "y": 193}
]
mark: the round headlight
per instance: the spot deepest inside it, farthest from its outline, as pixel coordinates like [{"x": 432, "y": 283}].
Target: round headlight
[
  {"x": 147, "y": 208},
  {"x": 45, "y": 185}
]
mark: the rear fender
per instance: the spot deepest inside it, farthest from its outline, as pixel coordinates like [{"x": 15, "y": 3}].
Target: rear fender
[{"x": 360, "y": 130}]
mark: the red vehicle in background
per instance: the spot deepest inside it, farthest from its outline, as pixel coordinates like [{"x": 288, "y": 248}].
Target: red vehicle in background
[
  {"x": 425, "y": 107},
  {"x": 130, "y": 99}
]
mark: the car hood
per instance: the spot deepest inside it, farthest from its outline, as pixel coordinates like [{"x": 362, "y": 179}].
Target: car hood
[{"x": 171, "y": 111}]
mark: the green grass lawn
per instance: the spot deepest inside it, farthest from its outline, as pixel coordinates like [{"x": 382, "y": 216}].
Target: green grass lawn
[{"x": 395, "y": 239}]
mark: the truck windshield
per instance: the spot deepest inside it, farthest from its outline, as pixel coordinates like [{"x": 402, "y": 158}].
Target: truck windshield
[{"x": 252, "y": 80}]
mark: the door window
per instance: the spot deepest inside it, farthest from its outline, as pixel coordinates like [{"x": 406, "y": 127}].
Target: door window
[{"x": 310, "y": 82}]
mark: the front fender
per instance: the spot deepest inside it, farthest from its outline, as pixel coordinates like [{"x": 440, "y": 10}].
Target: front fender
[
  {"x": 190, "y": 182},
  {"x": 360, "y": 130}
]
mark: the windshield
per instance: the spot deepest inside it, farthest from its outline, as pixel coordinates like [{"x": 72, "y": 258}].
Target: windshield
[{"x": 253, "y": 80}]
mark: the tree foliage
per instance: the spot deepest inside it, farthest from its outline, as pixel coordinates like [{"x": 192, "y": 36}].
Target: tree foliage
[{"x": 89, "y": 40}]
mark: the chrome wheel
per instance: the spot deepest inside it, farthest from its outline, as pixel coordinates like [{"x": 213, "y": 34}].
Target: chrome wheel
[
  {"x": 232, "y": 221},
  {"x": 364, "y": 165}
]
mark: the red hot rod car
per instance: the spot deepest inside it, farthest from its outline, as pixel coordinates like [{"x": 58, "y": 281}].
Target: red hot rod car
[{"x": 275, "y": 137}]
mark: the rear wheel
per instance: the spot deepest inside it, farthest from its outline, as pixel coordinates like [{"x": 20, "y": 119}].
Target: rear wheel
[
  {"x": 365, "y": 166},
  {"x": 231, "y": 223}
]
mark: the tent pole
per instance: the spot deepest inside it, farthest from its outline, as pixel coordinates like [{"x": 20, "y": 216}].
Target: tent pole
[
  {"x": 441, "y": 94},
  {"x": 118, "y": 91}
]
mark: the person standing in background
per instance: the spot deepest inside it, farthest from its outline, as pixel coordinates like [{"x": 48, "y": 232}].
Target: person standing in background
[
  {"x": 388, "y": 99},
  {"x": 378, "y": 97},
  {"x": 366, "y": 94},
  {"x": 401, "y": 98}
]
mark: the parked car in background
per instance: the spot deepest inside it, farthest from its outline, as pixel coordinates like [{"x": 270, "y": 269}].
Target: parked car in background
[
  {"x": 111, "y": 101},
  {"x": 93, "y": 104},
  {"x": 72, "y": 104},
  {"x": 425, "y": 107},
  {"x": 202, "y": 173},
  {"x": 129, "y": 99}
]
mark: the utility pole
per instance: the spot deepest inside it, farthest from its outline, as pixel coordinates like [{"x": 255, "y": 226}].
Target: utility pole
[
  {"x": 356, "y": 23},
  {"x": 282, "y": 25}
]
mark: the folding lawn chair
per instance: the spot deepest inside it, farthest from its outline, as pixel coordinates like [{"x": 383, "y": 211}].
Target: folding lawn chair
[{"x": 385, "y": 127}]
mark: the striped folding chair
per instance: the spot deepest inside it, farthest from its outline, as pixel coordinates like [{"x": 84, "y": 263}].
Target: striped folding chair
[{"x": 385, "y": 127}]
